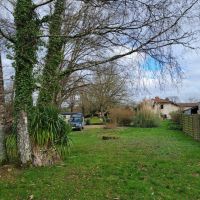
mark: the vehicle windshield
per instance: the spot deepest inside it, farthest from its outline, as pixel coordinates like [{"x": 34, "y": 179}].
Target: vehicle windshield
[{"x": 77, "y": 120}]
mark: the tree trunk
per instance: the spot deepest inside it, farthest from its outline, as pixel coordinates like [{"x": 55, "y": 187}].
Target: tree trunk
[
  {"x": 25, "y": 47},
  {"x": 45, "y": 156},
  {"x": 23, "y": 139},
  {"x": 2, "y": 115},
  {"x": 54, "y": 57}
]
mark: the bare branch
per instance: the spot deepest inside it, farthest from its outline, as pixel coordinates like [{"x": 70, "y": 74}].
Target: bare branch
[
  {"x": 42, "y": 4},
  {"x": 6, "y": 36}
]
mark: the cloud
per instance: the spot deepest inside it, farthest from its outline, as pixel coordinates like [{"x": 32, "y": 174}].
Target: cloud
[{"x": 190, "y": 86}]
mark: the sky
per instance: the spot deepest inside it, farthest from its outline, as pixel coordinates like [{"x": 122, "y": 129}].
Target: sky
[{"x": 188, "y": 89}]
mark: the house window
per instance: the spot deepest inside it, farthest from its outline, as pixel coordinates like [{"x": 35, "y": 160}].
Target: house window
[{"x": 161, "y": 106}]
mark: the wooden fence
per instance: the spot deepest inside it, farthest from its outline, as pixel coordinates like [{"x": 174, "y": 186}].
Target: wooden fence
[{"x": 191, "y": 125}]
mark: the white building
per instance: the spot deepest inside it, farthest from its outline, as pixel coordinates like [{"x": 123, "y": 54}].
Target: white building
[{"x": 164, "y": 107}]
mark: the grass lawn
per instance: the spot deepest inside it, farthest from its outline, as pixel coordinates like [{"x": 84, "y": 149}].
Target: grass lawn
[
  {"x": 96, "y": 120},
  {"x": 142, "y": 164}
]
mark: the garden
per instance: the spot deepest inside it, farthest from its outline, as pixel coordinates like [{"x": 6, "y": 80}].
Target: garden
[{"x": 140, "y": 163}]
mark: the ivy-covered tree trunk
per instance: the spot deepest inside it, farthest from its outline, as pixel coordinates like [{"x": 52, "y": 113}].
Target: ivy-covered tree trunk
[
  {"x": 25, "y": 47},
  {"x": 50, "y": 81},
  {"x": 2, "y": 115}
]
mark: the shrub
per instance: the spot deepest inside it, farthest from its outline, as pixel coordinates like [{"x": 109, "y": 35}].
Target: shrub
[
  {"x": 88, "y": 122},
  {"x": 49, "y": 129},
  {"x": 175, "y": 122},
  {"x": 48, "y": 135},
  {"x": 121, "y": 116},
  {"x": 145, "y": 118},
  {"x": 96, "y": 121},
  {"x": 106, "y": 120},
  {"x": 11, "y": 147},
  {"x": 176, "y": 117}
]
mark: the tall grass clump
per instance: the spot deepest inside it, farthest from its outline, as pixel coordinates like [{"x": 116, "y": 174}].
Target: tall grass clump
[
  {"x": 49, "y": 136},
  {"x": 146, "y": 118},
  {"x": 48, "y": 127},
  {"x": 11, "y": 147}
]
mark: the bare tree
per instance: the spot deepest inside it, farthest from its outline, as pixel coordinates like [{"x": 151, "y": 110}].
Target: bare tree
[
  {"x": 106, "y": 89},
  {"x": 97, "y": 32},
  {"x": 174, "y": 99},
  {"x": 85, "y": 35}
]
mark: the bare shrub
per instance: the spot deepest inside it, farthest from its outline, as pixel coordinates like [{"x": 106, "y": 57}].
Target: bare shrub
[{"x": 121, "y": 116}]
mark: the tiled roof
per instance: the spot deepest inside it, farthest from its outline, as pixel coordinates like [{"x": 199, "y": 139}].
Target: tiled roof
[
  {"x": 182, "y": 105},
  {"x": 188, "y": 104},
  {"x": 158, "y": 100}
]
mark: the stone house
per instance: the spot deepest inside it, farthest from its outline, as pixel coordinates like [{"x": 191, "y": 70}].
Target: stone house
[{"x": 164, "y": 107}]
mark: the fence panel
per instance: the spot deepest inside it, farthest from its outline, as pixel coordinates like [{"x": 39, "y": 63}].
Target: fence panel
[{"x": 191, "y": 125}]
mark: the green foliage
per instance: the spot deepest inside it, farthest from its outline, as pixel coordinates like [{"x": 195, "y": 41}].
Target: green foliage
[
  {"x": 176, "y": 117},
  {"x": 11, "y": 147},
  {"x": 88, "y": 121},
  {"x": 54, "y": 57},
  {"x": 175, "y": 122},
  {"x": 25, "y": 48},
  {"x": 47, "y": 127},
  {"x": 96, "y": 121},
  {"x": 143, "y": 164},
  {"x": 146, "y": 118}
]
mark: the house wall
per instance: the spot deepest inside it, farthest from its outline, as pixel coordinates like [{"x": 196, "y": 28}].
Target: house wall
[
  {"x": 156, "y": 108},
  {"x": 167, "y": 109}
]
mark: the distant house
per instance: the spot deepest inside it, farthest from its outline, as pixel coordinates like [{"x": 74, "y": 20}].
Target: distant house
[
  {"x": 190, "y": 108},
  {"x": 164, "y": 107}
]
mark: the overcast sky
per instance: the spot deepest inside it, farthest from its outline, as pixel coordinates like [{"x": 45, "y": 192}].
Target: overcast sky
[{"x": 190, "y": 86}]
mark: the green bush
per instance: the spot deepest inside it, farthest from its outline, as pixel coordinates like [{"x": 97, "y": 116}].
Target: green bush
[
  {"x": 175, "y": 122},
  {"x": 176, "y": 117},
  {"x": 96, "y": 121},
  {"x": 146, "y": 118},
  {"x": 48, "y": 127},
  {"x": 88, "y": 122},
  {"x": 11, "y": 147}
]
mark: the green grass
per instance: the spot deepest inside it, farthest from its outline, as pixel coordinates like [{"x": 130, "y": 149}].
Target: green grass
[
  {"x": 153, "y": 163},
  {"x": 96, "y": 120}
]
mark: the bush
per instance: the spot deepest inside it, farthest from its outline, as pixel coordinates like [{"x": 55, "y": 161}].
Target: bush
[
  {"x": 106, "y": 120},
  {"x": 48, "y": 128},
  {"x": 96, "y": 121},
  {"x": 48, "y": 135},
  {"x": 88, "y": 122},
  {"x": 121, "y": 116},
  {"x": 145, "y": 118},
  {"x": 176, "y": 117},
  {"x": 175, "y": 122},
  {"x": 11, "y": 147}
]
